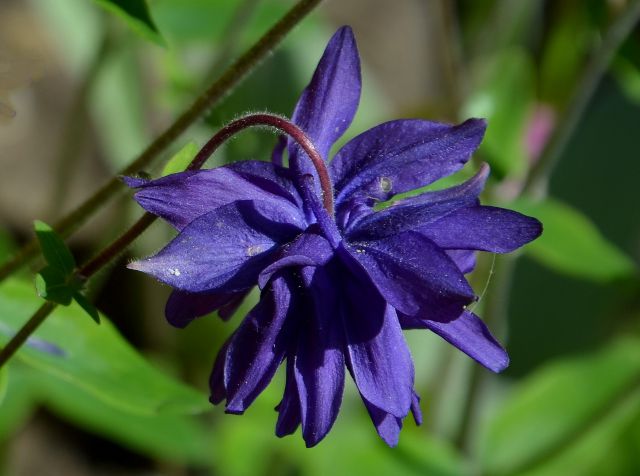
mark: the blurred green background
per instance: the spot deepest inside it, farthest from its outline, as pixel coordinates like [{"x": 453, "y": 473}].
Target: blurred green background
[{"x": 85, "y": 85}]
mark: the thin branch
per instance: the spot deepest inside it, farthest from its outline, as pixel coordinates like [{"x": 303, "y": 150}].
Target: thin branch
[{"x": 218, "y": 89}]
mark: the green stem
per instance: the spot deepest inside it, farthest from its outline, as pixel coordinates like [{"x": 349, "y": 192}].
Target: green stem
[
  {"x": 75, "y": 128},
  {"x": 596, "y": 68},
  {"x": 218, "y": 89},
  {"x": 25, "y": 331}
]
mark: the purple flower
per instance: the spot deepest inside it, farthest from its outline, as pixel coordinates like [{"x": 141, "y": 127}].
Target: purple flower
[{"x": 336, "y": 290}]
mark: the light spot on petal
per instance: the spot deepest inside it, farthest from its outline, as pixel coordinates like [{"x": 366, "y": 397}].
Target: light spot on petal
[
  {"x": 254, "y": 250},
  {"x": 385, "y": 184},
  {"x": 173, "y": 271}
]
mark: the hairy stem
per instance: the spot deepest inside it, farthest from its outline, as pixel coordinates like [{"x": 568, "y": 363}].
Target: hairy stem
[
  {"x": 282, "y": 124},
  {"x": 218, "y": 89}
]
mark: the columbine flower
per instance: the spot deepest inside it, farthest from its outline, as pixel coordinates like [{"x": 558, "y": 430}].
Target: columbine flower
[{"x": 336, "y": 288}]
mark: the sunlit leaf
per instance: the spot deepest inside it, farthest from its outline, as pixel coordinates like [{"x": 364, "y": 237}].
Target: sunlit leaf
[
  {"x": 572, "y": 244},
  {"x": 180, "y": 161},
  {"x": 169, "y": 437},
  {"x": 136, "y": 14},
  {"x": 566, "y": 414},
  {"x": 54, "y": 249},
  {"x": 52, "y": 285},
  {"x": 95, "y": 359}
]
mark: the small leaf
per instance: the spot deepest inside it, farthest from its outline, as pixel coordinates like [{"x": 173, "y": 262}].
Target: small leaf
[
  {"x": 181, "y": 160},
  {"x": 52, "y": 285},
  {"x": 54, "y": 248},
  {"x": 567, "y": 414},
  {"x": 136, "y": 14},
  {"x": 89, "y": 308},
  {"x": 572, "y": 244}
]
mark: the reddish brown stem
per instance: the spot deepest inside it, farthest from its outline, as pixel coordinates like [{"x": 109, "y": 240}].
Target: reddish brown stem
[{"x": 282, "y": 124}]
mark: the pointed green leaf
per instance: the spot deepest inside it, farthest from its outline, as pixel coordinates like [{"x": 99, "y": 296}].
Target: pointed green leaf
[
  {"x": 565, "y": 418},
  {"x": 572, "y": 244},
  {"x": 137, "y": 15},
  {"x": 55, "y": 251},
  {"x": 89, "y": 308},
  {"x": 181, "y": 160},
  {"x": 95, "y": 359},
  {"x": 52, "y": 285}
]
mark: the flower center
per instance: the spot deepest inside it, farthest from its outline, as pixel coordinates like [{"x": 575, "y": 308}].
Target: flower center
[{"x": 283, "y": 125}]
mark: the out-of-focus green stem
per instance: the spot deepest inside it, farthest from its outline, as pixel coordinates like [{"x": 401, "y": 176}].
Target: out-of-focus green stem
[
  {"x": 597, "y": 66},
  {"x": 216, "y": 91},
  {"x": 497, "y": 297},
  {"x": 75, "y": 128}
]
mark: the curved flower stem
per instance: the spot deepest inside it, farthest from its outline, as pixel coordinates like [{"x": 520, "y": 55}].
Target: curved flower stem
[
  {"x": 282, "y": 124},
  {"x": 216, "y": 91},
  {"x": 596, "y": 68}
]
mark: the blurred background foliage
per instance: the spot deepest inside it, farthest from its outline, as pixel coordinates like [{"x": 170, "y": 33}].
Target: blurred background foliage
[{"x": 86, "y": 85}]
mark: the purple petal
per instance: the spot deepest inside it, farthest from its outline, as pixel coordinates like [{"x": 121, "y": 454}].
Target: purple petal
[
  {"x": 414, "y": 275},
  {"x": 319, "y": 363},
  {"x": 483, "y": 228},
  {"x": 183, "y": 307},
  {"x": 289, "y": 407},
  {"x": 377, "y": 352},
  {"x": 465, "y": 260},
  {"x": 387, "y": 425},
  {"x": 180, "y": 198},
  {"x": 257, "y": 347},
  {"x": 308, "y": 249},
  {"x": 224, "y": 250},
  {"x": 227, "y": 311},
  {"x": 216, "y": 380},
  {"x": 416, "y": 212},
  {"x": 327, "y": 105},
  {"x": 403, "y": 155},
  {"x": 415, "y": 408},
  {"x": 469, "y": 334}
]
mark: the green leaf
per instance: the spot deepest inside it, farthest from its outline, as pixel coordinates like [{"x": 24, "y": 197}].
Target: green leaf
[
  {"x": 567, "y": 414},
  {"x": 95, "y": 359},
  {"x": 572, "y": 244},
  {"x": 52, "y": 285},
  {"x": 505, "y": 98},
  {"x": 54, "y": 248},
  {"x": 137, "y": 15},
  {"x": 89, "y": 308},
  {"x": 18, "y": 402},
  {"x": 181, "y": 160},
  {"x": 3, "y": 383},
  {"x": 178, "y": 438}
]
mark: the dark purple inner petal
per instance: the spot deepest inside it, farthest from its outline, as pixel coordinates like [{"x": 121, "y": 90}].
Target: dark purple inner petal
[
  {"x": 403, "y": 155},
  {"x": 419, "y": 211},
  {"x": 183, "y": 307},
  {"x": 414, "y": 275},
  {"x": 257, "y": 347}
]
